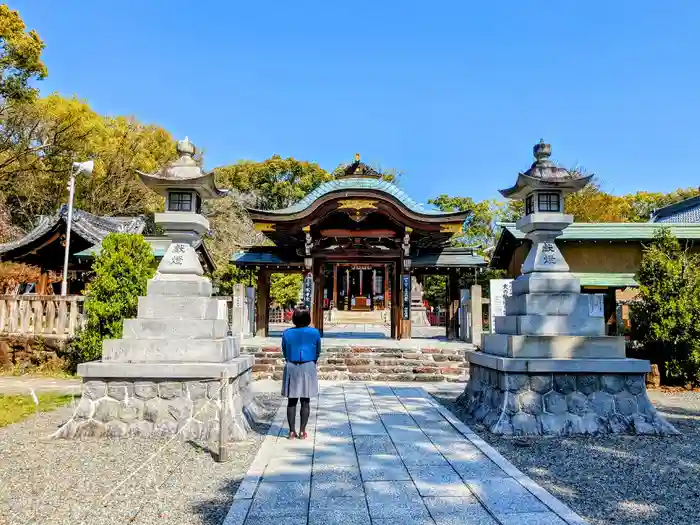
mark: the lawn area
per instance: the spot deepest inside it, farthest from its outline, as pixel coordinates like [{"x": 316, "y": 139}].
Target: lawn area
[{"x": 14, "y": 408}]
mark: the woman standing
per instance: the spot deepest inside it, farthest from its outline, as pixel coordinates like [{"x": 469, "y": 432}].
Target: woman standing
[{"x": 301, "y": 347}]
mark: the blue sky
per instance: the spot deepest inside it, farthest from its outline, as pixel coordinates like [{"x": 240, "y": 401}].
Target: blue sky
[{"x": 452, "y": 94}]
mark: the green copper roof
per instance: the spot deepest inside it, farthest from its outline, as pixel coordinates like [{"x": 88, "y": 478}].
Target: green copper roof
[
  {"x": 356, "y": 184},
  {"x": 616, "y": 231},
  {"x": 613, "y": 280}
]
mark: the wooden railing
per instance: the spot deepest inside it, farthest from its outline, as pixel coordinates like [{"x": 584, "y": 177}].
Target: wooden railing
[{"x": 41, "y": 315}]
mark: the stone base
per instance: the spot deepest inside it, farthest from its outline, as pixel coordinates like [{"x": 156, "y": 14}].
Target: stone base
[
  {"x": 419, "y": 316},
  {"x": 560, "y": 404},
  {"x": 161, "y": 401}
]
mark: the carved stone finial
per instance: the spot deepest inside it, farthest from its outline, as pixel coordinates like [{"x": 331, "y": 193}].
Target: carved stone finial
[
  {"x": 357, "y": 157},
  {"x": 185, "y": 148},
  {"x": 542, "y": 152}
]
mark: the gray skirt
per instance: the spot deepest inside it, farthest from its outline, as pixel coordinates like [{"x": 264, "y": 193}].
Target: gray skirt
[{"x": 300, "y": 380}]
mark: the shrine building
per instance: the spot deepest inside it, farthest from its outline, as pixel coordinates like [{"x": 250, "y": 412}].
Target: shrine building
[{"x": 363, "y": 245}]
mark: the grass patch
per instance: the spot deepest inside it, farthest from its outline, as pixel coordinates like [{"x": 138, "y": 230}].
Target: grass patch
[{"x": 15, "y": 408}]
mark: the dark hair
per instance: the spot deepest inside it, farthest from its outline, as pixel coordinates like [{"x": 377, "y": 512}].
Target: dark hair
[{"x": 301, "y": 317}]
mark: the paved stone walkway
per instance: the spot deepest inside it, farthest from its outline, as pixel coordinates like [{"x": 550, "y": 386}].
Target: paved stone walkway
[
  {"x": 387, "y": 455},
  {"x": 11, "y": 385}
]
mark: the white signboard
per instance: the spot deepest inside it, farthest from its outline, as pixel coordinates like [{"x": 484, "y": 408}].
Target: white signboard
[
  {"x": 500, "y": 289},
  {"x": 595, "y": 304}
]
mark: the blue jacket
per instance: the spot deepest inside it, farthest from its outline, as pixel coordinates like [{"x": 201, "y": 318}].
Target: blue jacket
[{"x": 300, "y": 345}]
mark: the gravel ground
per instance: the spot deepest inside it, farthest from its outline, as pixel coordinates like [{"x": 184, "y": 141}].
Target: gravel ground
[
  {"x": 621, "y": 480},
  {"x": 51, "y": 482}
]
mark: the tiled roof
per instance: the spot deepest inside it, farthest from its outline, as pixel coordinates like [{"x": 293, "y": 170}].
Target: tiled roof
[
  {"x": 356, "y": 184},
  {"x": 616, "y": 280},
  {"x": 244, "y": 257},
  {"x": 616, "y": 231},
  {"x": 90, "y": 227},
  {"x": 450, "y": 257},
  {"x": 686, "y": 211}
]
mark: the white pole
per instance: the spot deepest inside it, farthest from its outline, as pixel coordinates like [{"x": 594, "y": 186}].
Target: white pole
[{"x": 71, "y": 191}]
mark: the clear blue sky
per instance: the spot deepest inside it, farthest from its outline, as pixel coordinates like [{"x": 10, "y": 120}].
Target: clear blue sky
[{"x": 453, "y": 94}]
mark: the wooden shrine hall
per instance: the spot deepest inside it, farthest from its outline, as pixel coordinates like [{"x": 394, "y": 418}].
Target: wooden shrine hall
[{"x": 359, "y": 241}]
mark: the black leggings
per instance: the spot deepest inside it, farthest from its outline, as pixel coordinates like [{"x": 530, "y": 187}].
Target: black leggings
[{"x": 292, "y": 413}]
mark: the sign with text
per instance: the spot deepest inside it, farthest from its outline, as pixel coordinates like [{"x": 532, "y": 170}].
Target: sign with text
[
  {"x": 308, "y": 290},
  {"x": 406, "y": 289},
  {"x": 595, "y": 304},
  {"x": 499, "y": 289}
]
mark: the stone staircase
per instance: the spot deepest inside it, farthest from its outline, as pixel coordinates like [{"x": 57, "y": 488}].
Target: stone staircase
[{"x": 350, "y": 317}]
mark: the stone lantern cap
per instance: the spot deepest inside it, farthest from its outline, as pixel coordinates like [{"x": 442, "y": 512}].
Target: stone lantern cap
[
  {"x": 545, "y": 175},
  {"x": 184, "y": 173}
]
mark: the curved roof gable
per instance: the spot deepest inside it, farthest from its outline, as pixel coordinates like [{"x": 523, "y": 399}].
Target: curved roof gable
[{"x": 355, "y": 184}]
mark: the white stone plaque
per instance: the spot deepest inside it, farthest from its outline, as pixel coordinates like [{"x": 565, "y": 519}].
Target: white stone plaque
[
  {"x": 595, "y": 304},
  {"x": 237, "y": 301},
  {"x": 499, "y": 290}
]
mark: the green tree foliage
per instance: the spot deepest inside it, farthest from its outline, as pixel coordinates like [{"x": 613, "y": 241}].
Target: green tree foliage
[
  {"x": 40, "y": 139},
  {"x": 667, "y": 320},
  {"x": 285, "y": 288},
  {"x": 122, "y": 270},
  {"x": 273, "y": 183},
  {"x": 230, "y": 275},
  {"x": 435, "y": 290},
  {"x": 20, "y": 57}
]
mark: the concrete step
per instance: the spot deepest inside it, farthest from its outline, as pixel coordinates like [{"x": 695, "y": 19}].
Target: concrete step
[
  {"x": 175, "y": 329},
  {"x": 557, "y": 347},
  {"x": 181, "y": 308},
  {"x": 171, "y": 350},
  {"x": 351, "y": 317},
  {"x": 549, "y": 325}
]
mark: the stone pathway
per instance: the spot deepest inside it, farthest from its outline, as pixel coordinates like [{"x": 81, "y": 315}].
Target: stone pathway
[
  {"x": 11, "y": 385},
  {"x": 387, "y": 455}
]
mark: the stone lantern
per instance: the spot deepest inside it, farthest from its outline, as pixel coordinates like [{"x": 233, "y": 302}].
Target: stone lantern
[
  {"x": 184, "y": 185},
  {"x": 176, "y": 371},
  {"x": 549, "y": 368}
]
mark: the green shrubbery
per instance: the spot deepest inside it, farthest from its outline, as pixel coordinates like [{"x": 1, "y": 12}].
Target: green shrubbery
[
  {"x": 667, "y": 320},
  {"x": 122, "y": 270}
]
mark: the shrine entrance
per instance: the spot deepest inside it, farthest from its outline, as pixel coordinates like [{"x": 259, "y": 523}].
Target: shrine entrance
[{"x": 358, "y": 240}]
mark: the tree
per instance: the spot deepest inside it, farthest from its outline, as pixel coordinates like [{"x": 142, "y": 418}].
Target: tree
[
  {"x": 273, "y": 183},
  {"x": 285, "y": 288},
  {"x": 122, "y": 270},
  {"x": 39, "y": 140},
  {"x": 643, "y": 203},
  {"x": 20, "y": 57},
  {"x": 435, "y": 290},
  {"x": 667, "y": 318}
]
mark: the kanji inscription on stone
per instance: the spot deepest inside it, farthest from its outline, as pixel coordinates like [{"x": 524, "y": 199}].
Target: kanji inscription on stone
[
  {"x": 176, "y": 259},
  {"x": 547, "y": 247},
  {"x": 549, "y": 259},
  {"x": 179, "y": 248}
]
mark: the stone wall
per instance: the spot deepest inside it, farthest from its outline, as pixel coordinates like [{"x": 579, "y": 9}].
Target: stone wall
[
  {"x": 370, "y": 363},
  {"x": 560, "y": 404},
  {"x": 160, "y": 408}
]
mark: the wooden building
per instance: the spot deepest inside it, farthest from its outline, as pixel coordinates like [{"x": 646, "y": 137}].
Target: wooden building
[
  {"x": 44, "y": 245},
  {"x": 604, "y": 256},
  {"x": 358, "y": 239}
]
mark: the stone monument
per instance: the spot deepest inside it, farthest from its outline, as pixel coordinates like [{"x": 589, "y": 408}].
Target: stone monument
[
  {"x": 549, "y": 368},
  {"x": 419, "y": 316},
  {"x": 177, "y": 369}
]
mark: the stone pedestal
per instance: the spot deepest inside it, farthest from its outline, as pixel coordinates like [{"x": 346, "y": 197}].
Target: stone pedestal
[
  {"x": 419, "y": 316},
  {"x": 549, "y": 370},
  {"x": 173, "y": 370}
]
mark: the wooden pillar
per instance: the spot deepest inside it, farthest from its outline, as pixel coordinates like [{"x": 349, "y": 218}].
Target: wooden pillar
[
  {"x": 386, "y": 285},
  {"x": 452, "y": 303},
  {"x": 262, "y": 307},
  {"x": 335, "y": 285},
  {"x": 397, "y": 302},
  {"x": 317, "y": 306}
]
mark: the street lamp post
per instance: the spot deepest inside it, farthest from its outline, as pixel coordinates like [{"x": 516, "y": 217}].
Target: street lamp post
[{"x": 76, "y": 169}]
